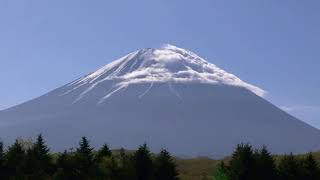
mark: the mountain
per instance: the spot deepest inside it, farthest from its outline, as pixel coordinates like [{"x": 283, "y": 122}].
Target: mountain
[{"x": 168, "y": 97}]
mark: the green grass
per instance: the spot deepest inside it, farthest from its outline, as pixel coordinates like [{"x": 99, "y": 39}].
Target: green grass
[{"x": 197, "y": 168}]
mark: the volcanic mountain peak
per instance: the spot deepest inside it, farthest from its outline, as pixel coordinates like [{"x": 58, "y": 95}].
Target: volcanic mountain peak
[
  {"x": 168, "y": 64},
  {"x": 133, "y": 100}
]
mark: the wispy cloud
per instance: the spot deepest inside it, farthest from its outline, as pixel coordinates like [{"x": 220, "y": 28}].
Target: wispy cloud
[{"x": 301, "y": 108}]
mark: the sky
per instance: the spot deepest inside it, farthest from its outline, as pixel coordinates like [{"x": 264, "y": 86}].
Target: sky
[{"x": 272, "y": 44}]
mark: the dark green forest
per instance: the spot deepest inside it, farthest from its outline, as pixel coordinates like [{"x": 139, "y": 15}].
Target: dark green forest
[{"x": 27, "y": 160}]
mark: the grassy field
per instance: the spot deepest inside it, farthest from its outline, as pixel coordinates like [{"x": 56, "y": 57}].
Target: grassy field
[{"x": 197, "y": 168}]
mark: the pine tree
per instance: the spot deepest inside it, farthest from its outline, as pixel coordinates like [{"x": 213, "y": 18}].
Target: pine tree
[
  {"x": 2, "y": 161},
  {"x": 103, "y": 152},
  {"x": 143, "y": 163},
  {"x": 84, "y": 159},
  {"x": 109, "y": 169},
  {"x": 264, "y": 165},
  {"x": 39, "y": 161},
  {"x": 66, "y": 167},
  {"x": 165, "y": 167},
  {"x": 290, "y": 168},
  {"x": 311, "y": 170},
  {"x": 15, "y": 161},
  {"x": 241, "y": 163}
]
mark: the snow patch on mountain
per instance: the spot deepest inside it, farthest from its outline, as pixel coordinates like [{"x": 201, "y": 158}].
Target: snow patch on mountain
[{"x": 168, "y": 64}]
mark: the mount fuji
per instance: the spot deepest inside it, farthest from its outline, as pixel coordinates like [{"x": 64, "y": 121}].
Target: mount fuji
[{"x": 167, "y": 97}]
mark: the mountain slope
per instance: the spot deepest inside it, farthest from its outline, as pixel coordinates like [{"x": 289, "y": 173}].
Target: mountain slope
[{"x": 169, "y": 98}]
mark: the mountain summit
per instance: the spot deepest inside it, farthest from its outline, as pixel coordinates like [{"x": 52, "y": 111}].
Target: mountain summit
[
  {"x": 168, "y": 97},
  {"x": 168, "y": 64}
]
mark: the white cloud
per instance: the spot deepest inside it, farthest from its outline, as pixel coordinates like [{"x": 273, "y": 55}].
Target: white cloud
[
  {"x": 301, "y": 108},
  {"x": 168, "y": 64}
]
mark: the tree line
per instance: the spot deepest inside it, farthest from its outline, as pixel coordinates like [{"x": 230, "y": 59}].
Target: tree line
[
  {"x": 249, "y": 164},
  {"x": 25, "y": 161},
  {"x": 33, "y": 160}
]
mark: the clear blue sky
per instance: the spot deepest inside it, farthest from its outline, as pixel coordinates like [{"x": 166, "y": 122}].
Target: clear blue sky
[{"x": 272, "y": 44}]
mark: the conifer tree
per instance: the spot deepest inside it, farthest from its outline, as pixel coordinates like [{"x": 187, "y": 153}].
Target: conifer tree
[
  {"x": 15, "y": 161},
  {"x": 103, "y": 152},
  {"x": 143, "y": 163},
  {"x": 264, "y": 165},
  {"x": 109, "y": 169},
  {"x": 84, "y": 160},
  {"x": 311, "y": 170},
  {"x": 241, "y": 163},
  {"x": 165, "y": 167},
  {"x": 290, "y": 168},
  {"x": 66, "y": 167},
  {"x": 39, "y": 162},
  {"x": 2, "y": 161}
]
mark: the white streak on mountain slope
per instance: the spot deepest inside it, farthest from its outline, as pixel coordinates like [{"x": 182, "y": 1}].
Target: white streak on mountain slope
[
  {"x": 168, "y": 64},
  {"x": 146, "y": 91}
]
